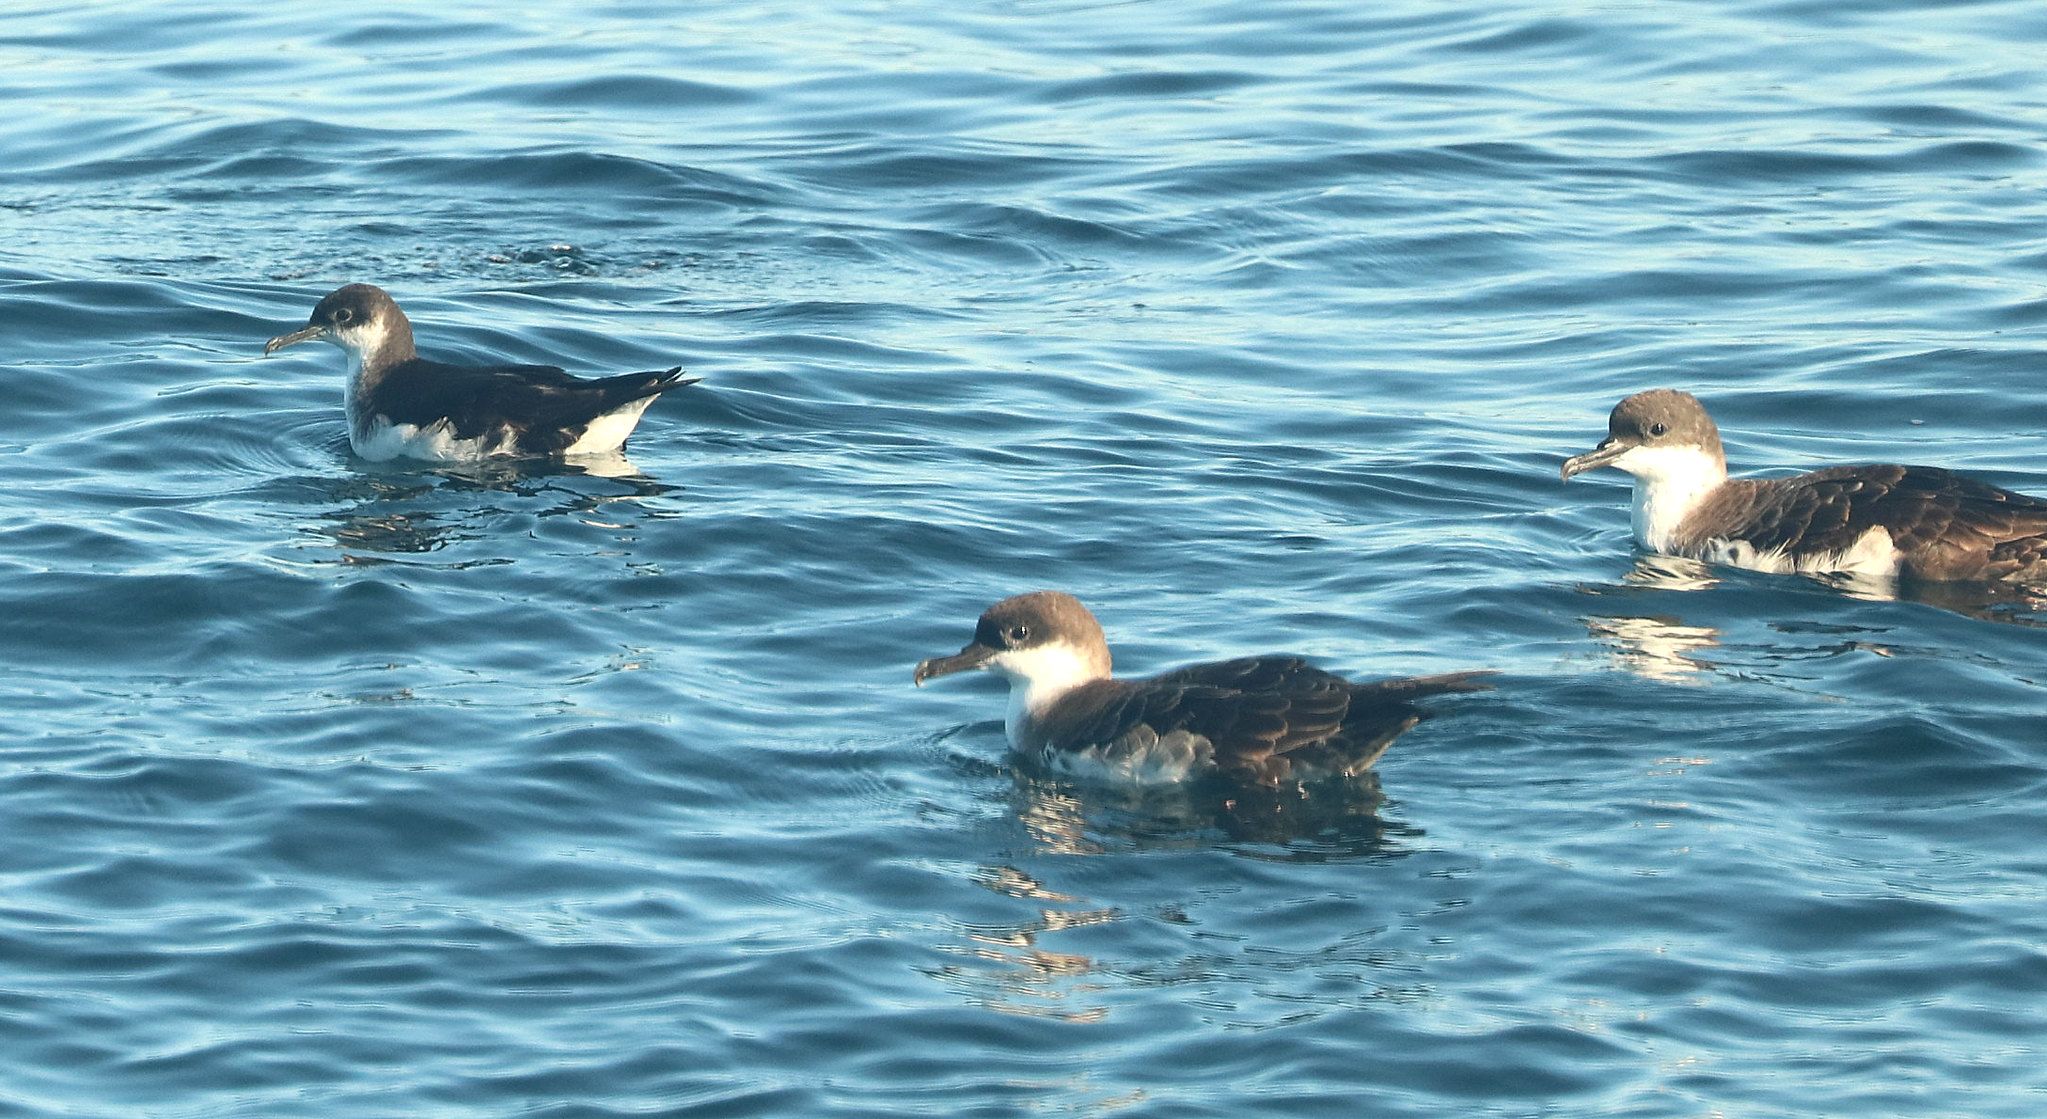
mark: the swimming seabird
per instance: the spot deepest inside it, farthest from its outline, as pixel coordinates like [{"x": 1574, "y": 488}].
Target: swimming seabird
[
  {"x": 1265, "y": 719},
  {"x": 402, "y": 404},
  {"x": 1916, "y": 521}
]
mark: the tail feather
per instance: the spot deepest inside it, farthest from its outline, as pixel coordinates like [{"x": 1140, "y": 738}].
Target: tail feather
[
  {"x": 624, "y": 388},
  {"x": 672, "y": 379},
  {"x": 609, "y": 414}
]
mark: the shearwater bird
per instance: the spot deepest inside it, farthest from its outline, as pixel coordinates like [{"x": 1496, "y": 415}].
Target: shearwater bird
[
  {"x": 402, "y": 404},
  {"x": 1264, "y": 719},
  {"x": 1921, "y": 522}
]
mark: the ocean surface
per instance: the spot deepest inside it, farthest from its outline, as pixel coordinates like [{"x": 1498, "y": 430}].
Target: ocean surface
[{"x": 332, "y": 788}]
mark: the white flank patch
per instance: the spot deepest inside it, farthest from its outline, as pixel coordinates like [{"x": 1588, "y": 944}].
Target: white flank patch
[
  {"x": 1874, "y": 554},
  {"x": 608, "y": 432},
  {"x": 384, "y": 441}
]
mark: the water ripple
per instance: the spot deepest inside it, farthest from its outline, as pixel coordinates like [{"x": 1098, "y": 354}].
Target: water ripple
[{"x": 601, "y": 788}]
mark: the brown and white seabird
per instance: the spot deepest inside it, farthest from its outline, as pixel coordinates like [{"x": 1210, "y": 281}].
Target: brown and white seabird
[
  {"x": 1266, "y": 719},
  {"x": 1920, "y": 522},
  {"x": 402, "y": 404}
]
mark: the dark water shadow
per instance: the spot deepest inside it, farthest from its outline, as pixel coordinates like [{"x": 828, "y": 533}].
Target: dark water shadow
[
  {"x": 1327, "y": 821},
  {"x": 388, "y": 512},
  {"x": 1995, "y": 601},
  {"x": 1050, "y": 955},
  {"x": 2010, "y": 603},
  {"x": 1664, "y": 646}
]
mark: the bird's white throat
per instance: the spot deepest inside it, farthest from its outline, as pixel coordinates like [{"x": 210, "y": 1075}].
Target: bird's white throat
[
  {"x": 1670, "y": 482},
  {"x": 362, "y": 341},
  {"x": 1041, "y": 674}
]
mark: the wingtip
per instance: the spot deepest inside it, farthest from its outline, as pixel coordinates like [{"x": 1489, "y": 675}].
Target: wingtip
[{"x": 1470, "y": 680}]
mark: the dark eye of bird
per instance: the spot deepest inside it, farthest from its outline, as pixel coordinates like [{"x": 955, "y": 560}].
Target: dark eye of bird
[
  {"x": 343, "y": 315},
  {"x": 1018, "y": 633},
  {"x": 1657, "y": 429}
]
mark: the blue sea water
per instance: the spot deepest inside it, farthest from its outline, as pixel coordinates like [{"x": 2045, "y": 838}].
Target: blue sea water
[{"x": 346, "y": 789}]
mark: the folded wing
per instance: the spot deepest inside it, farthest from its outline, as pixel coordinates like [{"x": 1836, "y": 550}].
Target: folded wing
[
  {"x": 543, "y": 407},
  {"x": 1946, "y": 525},
  {"x": 1269, "y": 719}
]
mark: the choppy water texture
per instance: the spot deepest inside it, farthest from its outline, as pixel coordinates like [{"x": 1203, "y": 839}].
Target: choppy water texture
[{"x": 334, "y": 788}]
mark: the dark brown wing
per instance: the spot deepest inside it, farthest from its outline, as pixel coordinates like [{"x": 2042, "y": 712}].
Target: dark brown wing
[
  {"x": 544, "y": 407},
  {"x": 1379, "y": 713},
  {"x": 1259, "y": 715},
  {"x": 2024, "y": 558},
  {"x": 1948, "y": 526}
]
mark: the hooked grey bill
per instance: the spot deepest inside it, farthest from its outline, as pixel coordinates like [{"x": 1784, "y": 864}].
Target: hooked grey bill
[
  {"x": 303, "y": 334},
  {"x": 975, "y": 655},
  {"x": 1609, "y": 449}
]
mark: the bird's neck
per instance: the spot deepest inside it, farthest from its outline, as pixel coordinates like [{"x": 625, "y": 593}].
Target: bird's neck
[
  {"x": 1670, "y": 484},
  {"x": 374, "y": 349},
  {"x": 1039, "y": 677}
]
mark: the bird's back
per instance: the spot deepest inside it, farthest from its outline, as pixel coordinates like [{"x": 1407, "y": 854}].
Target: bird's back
[{"x": 1270, "y": 719}]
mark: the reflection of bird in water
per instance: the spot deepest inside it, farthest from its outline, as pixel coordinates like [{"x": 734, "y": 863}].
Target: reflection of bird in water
[
  {"x": 1656, "y": 648},
  {"x": 1268, "y": 720},
  {"x": 1993, "y": 600},
  {"x": 1671, "y": 573},
  {"x": 1013, "y": 966},
  {"x": 1004, "y": 968},
  {"x": 1320, "y": 822},
  {"x": 411, "y": 515},
  {"x": 395, "y": 533}
]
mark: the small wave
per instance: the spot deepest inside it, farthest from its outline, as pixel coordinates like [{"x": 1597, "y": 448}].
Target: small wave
[{"x": 651, "y": 93}]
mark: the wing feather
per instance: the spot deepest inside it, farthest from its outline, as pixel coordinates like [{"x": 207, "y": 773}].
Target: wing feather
[
  {"x": 1258, "y": 714},
  {"x": 1947, "y": 525}
]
